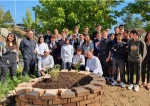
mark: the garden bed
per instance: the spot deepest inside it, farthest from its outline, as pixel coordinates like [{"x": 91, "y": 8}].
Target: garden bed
[{"x": 87, "y": 89}]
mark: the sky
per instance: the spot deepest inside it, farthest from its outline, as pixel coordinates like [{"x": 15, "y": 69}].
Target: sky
[{"x": 21, "y": 6}]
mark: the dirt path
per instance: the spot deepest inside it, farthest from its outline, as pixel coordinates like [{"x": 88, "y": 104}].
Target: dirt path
[{"x": 117, "y": 96}]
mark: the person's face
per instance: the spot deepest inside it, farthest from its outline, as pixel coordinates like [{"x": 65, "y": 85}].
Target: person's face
[
  {"x": 148, "y": 36},
  {"x": 10, "y": 38},
  {"x": 98, "y": 28},
  {"x": 56, "y": 31},
  {"x": 76, "y": 30},
  {"x": 41, "y": 40},
  {"x": 46, "y": 53},
  {"x": 104, "y": 34},
  {"x": 89, "y": 54},
  {"x": 131, "y": 35},
  {"x": 30, "y": 34},
  {"x": 58, "y": 37},
  {"x": 48, "y": 32},
  {"x": 125, "y": 34},
  {"x": 66, "y": 31},
  {"x": 116, "y": 30},
  {"x": 74, "y": 36},
  {"x": 79, "y": 53},
  {"x": 119, "y": 37},
  {"x": 121, "y": 30},
  {"x": 63, "y": 35},
  {"x": 53, "y": 39},
  {"x": 82, "y": 37},
  {"x": 112, "y": 37},
  {"x": 87, "y": 38},
  {"x": 98, "y": 36},
  {"x": 86, "y": 30},
  {"x": 67, "y": 42}
]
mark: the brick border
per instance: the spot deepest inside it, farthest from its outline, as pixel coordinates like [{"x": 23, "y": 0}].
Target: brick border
[{"x": 87, "y": 95}]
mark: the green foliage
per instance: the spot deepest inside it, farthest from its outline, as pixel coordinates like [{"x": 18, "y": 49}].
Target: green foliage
[
  {"x": 141, "y": 7},
  {"x": 61, "y": 14},
  {"x": 77, "y": 66},
  {"x": 1, "y": 15},
  {"x": 131, "y": 23},
  {"x": 7, "y": 18}
]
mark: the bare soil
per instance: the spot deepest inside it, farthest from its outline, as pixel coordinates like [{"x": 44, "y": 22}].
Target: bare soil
[{"x": 64, "y": 80}]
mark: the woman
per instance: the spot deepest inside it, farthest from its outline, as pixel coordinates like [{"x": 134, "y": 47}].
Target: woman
[
  {"x": 9, "y": 58},
  {"x": 40, "y": 47},
  {"x": 67, "y": 52},
  {"x": 87, "y": 45},
  {"x": 146, "y": 63}
]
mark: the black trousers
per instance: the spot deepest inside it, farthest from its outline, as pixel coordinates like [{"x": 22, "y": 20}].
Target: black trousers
[
  {"x": 104, "y": 64},
  {"x": 126, "y": 69},
  {"x": 5, "y": 70},
  {"x": 146, "y": 64},
  {"x": 29, "y": 64},
  {"x": 135, "y": 66}
]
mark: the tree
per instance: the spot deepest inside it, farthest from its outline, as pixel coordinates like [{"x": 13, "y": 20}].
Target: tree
[
  {"x": 1, "y": 15},
  {"x": 141, "y": 7},
  {"x": 7, "y": 18},
  {"x": 130, "y": 22},
  {"x": 60, "y": 14}
]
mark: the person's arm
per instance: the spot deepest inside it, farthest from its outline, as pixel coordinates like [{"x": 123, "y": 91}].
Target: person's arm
[
  {"x": 21, "y": 47},
  {"x": 97, "y": 67},
  {"x": 91, "y": 46},
  {"x": 87, "y": 68},
  {"x": 144, "y": 50},
  {"x": 51, "y": 65},
  {"x": 39, "y": 65},
  {"x": 37, "y": 49},
  {"x": 72, "y": 51},
  {"x": 74, "y": 60},
  {"x": 61, "y": 54},
  {"x": 82, "y": 60}
]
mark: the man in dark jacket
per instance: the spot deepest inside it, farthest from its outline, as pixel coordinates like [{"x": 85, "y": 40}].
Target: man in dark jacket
[
  {"x": 47, "y": 37},
  {"x": 136, "y": 54},
  {"x": 27, "y": 48}
]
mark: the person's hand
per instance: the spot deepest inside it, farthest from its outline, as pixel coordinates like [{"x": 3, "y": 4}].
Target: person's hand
[
  {"x": 107, "y": 59},
  {"x": 85, "y": 55}
]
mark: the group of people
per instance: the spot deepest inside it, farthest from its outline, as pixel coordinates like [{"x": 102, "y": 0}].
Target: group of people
[{"x": 112, "y": 55}]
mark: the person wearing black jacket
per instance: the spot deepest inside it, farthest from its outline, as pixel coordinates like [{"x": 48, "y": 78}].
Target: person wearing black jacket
[
  {"x": 97, "y": 42},
  {"x": 118, "y": 50},
  {"x": 136, "y": 54},
  {"x": 47, "y": 37},
  {"x": 27, "y": 48},
  {"x": 146, "y": 63},
  {"x": 103, "y": 53},
  {"x": 9, "y": 58},
  {"x": 98, "y": 30},
  {"x": 53, "y": 47},
  {"x": 74, "y": 42}
]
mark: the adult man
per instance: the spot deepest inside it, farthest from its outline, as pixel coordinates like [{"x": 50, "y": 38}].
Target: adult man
[
  {"x": 98, "y": 30},
  {"x": 45, "y": 62},
  {"x": 27, "y": 48},
  {"x": 93, "y": 64},
  {"x": 47, "y": 37}
]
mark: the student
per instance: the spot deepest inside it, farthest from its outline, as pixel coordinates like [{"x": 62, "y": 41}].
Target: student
[
  {"x": 97, "y": 42},
  {"x": 81, "y": 40},
  {"x": 74, "y": 42},
  {"x": 45, "y": 62},
  {"x": 118, "y": 50},
  {"x": 67, "y": 53},
  {"x": 40, "y": 47},
  {"x": 79, "y": 58},
  {"x": 27, "y": 48},
  {"x": 87, "y": 45},
  {"x": 53, "y": 47},
  {"x": 137, "y": 52},
  {"x": 86, "y": 31},
  {"x": 47, "y": 37},
  {"x": 98, "y": 30},
  {"x": 93, "y": 64},
  {"x": 76, "y": 31},
  {"x": 146, "y": 63},
  {"x": 9, "y": 59}
]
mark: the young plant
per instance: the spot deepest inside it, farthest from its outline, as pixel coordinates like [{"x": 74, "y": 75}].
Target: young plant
[{"x": 77, "y": 66}]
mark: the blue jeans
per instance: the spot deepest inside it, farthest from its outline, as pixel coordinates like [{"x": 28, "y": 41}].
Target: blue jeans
[
  {"x": 118, "y": 63},
  {"x": 66, "y": 65}
]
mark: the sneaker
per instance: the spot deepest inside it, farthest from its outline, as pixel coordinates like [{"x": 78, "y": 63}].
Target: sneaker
[
  {"x": 114, "y": 83},
  {"x": 122, "y": 85},
  {"x": 136, "y": 88},
  {"x": 112, "y": 79},
  {"x": 130, "y": 86}
]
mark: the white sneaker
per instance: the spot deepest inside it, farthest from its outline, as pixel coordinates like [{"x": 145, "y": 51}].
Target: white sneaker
[
  {"x": 112, "y": 79},
  {"x": 136, "y": 88},
  {"x": 122, "y": 85},
  {"x": 114, "y": 83},
  {"x": 130, "y": 86}
]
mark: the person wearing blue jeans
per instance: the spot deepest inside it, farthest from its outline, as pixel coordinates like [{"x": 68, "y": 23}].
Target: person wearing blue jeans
[{"x": 67, "y": 52}]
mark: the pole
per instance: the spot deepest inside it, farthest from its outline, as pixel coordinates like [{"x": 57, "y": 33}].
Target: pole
[{"x": 15, "y": 13}]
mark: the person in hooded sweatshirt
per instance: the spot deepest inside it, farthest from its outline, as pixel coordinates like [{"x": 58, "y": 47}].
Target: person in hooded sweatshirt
[
  {"x": 67, "y": 52},
  {"x": 136, "y": 54}
]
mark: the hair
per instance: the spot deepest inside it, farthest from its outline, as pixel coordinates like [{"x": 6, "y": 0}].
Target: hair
[
  {"x": 14, "y": 41},
  {"x": 134, "y": 32},
  {"x": 145, "y": 39},
  {"x": 119, "y": 34},
  {"x": 79, "y": 49},
  {"x": 76, "y": 27},
  {"x": 67, "y": 38},
  {"x": 116, "y": 27},
  {"x": 88, "y": 42},
  {"x": 86, "y": 27},
  {"x": 30, "y": 30},
  {"x": 126, "y": 31},
  {"x": 98, "y": 25},
  {"x": 111, "y": 34},
  {"x": 39, "y": 39},
  {"x": 121, "y": 26}
]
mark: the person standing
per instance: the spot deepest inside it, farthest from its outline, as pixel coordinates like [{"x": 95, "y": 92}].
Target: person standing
[
  {"x": 136, "y": 54},
  {"x": 146, "y": 63},
  {"x": 47, "y": 37},
  {"x": 98, "y": 30},
  {"x": 67, "y": 52},
  {"x": 9, "y": 58},
  {"x": 27, "y": 48}
]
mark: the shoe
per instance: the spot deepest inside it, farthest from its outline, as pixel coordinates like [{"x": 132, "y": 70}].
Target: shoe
[
  {"x": 130, "y": 87},
  {"x": 122, "y": 85},
  {"x": 148, "y": 86},
  {"x": 114, "y": 83},
  {"x": 142, "y": 85},
  {"x": 136, "y": 88},
  {"x": 112, "y": 79}
]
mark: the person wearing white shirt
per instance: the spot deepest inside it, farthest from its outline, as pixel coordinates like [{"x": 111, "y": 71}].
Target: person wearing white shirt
[
  {"x": 93, "y": 64},
  {"x": 67, "y": 52},
  {"x": 45, "y": 62},
  {"x": 40, "y": 47},
  {"x": 79, "y": 58}
]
